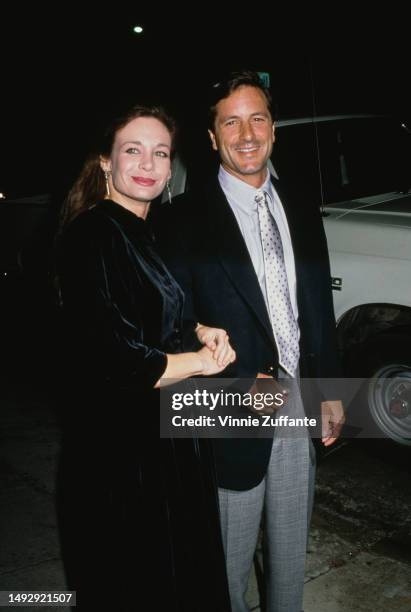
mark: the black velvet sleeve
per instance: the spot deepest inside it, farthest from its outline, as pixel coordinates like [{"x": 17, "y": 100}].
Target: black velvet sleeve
[{"x": 103, "y": 297}]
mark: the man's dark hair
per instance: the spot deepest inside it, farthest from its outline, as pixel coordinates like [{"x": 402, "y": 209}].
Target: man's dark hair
[{"x": 227, "y": 85}]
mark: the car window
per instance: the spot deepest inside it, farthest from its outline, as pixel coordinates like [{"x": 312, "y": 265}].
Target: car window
[
  {"x": 363, "y": 157},
  {"x": 295, "y": 160}
]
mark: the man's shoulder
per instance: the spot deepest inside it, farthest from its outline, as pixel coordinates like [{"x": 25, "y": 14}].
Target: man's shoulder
[
  {"x": 172, "y": 214},
  {"x": 191, "y": 204},
  {"x": 185, "y": 202},
  {"x": 197, "y": 194}
]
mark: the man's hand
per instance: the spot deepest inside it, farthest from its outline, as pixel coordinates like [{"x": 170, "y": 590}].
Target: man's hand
[
  {"x": 267, "y": 384},
  {"x": 217, "y": 341},
  {"x": 333, "y": 419}
]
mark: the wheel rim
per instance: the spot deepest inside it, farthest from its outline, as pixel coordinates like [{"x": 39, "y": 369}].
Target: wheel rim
[{"x": 389, "y": 393}]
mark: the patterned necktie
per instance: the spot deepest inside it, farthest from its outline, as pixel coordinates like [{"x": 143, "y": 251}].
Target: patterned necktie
[{"x": 284, "y": 325}]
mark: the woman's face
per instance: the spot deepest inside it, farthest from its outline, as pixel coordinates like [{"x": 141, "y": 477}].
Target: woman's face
[{"x": 139, "y": 163}]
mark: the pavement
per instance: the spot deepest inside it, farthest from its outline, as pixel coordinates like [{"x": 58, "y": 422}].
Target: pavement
[{"x": 348, "y": 569}]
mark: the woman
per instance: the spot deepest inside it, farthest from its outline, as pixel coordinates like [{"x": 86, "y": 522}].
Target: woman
[{"x": 122, "y": 315}]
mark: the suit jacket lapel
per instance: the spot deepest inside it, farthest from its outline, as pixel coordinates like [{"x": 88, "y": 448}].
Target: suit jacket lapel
[{"x": 234, "y": 256}]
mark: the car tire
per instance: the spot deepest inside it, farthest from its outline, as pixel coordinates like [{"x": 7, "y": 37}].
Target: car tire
[{"x": 385, "y": 361}]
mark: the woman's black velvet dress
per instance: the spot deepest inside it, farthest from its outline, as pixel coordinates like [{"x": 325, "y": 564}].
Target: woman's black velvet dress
[{"x": 138, "y": 515}]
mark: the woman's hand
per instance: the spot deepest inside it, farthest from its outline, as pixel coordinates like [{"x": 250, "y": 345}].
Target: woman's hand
[
  {"x": 201, "y": 363},
  {"x": 210, "y": 365},
  {"x": 217, "y": 340}
]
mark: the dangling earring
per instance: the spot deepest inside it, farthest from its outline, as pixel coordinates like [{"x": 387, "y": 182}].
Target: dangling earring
[
  {"x": 106, "y": 175},
  {"x": 169, "y": 191}
]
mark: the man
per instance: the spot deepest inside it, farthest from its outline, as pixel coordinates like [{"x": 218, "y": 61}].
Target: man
[{"x": 254, "y": 262}]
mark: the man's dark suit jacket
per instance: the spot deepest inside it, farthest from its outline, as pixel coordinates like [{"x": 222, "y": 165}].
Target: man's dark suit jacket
[{"x": 203, "y": 247}]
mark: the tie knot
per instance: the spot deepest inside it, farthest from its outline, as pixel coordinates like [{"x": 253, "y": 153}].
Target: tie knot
[{"x": 260, "y": 197}]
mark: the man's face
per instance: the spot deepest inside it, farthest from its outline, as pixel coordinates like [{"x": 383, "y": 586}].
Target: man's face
[{"x": 244, "y": 134}]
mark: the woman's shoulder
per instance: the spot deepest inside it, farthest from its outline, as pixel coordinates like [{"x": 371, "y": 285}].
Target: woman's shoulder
[
  {"x": 100, "y": 219},
  {"x": 92, "y": 229}
]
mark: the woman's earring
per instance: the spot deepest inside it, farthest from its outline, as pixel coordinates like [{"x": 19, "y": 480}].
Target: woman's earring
[
  {"x": 169, "y": 191},
  {"x": 106, "y": 175}
]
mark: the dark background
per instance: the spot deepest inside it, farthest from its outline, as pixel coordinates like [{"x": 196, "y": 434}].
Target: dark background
[{"x": 62, "y": 73}]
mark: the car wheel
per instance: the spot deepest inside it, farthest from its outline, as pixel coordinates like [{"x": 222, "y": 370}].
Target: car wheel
[{"x": 385, "y": 361}]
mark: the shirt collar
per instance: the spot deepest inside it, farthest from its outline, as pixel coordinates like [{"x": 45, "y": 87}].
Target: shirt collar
[{"x": 241, "y": 193}]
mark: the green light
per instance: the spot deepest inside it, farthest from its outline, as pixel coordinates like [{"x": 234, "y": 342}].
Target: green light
[
  {"x": 265, "y": 78},
  {"x": 138, "y": 30}
]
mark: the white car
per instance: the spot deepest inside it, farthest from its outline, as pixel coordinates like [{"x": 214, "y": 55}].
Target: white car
[
  {"x": 370, "y": 252},
  {"x": 365, "y": 169}
]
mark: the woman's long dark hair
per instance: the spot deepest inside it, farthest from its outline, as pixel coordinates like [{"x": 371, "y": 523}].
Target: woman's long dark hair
[{"x": 90, "y": 186}]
